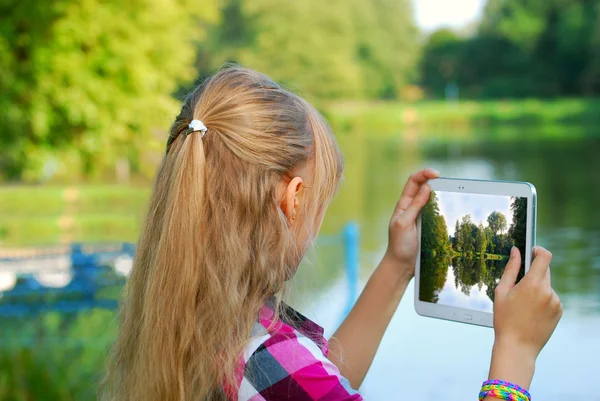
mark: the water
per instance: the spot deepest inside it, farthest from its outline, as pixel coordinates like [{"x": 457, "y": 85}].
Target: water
[
  {"x": 428, "y": 359},
  {"x": 455, "y": 292},
  {"x": 433, "y": 359}
]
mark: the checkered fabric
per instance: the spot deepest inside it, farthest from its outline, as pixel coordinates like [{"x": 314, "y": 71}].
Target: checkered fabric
[{"x": 286, "y": 359}]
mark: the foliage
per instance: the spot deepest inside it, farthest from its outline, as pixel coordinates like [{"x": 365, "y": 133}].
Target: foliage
[
  {"x": 497, "y": 222},
  {"x": 478, "y": 241},
  {"x": 476, "y": 253},
  {"x": 522, "y": 48},
  {"x": 53, "y": 356},
  {"x": 434, "y": 234},
  {"x": 85, "y": 83},
  {"x": 518, "y": 230},
  {"x": 322, "y": 49},
  {"x": 435, "y": 249}
]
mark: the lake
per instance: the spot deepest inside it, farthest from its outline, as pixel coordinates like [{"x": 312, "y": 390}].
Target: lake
[{"x": 433, "y": 359}]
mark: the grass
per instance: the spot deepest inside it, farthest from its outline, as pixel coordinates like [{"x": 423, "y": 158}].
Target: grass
[{"x": 393, "y": 117}]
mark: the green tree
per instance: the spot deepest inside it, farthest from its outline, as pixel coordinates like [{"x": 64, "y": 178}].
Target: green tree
[
  {"x": 591, "y": 77},
  {"x": 548, "y": 48},
  {"x": 336, "y": 49},
  {"x": 434, "y": 233},
  {"x": 480, "y": 240},
  {"x": 518, "y": 229},
  {"x": 86, "y": 83},
  {"x": 489, "y": 236},
  {"x": 386, "y": 47},
  {"x": 441, "y": 61},
  {"x": 466, "y": 235},
  {"x": 497, "y": 222},
  {"x": 456, "y": 237}
]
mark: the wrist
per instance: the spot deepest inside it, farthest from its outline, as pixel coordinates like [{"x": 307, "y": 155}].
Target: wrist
[
  {"x": 398, "y": 271},
  {"x": 512, "y": 363}
]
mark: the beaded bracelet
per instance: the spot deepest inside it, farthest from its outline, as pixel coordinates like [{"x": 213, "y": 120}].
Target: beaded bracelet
[{"x": 503, "y": 391}]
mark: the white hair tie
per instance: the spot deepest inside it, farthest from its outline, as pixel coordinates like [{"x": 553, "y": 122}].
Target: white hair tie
[{"x": 195, "y": 126}]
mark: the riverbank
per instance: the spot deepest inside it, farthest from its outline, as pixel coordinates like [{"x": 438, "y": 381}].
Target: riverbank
[
  {"x": 42, "y": 215},
  {"x": 385, "y": 118}
]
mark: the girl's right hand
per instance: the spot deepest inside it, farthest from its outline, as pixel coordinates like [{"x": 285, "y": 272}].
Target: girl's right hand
[{"x": 525, "y": 316}]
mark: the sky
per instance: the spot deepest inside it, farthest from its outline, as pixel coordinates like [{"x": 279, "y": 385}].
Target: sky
[
  {"x": 433, "y": 14},
  {"x": 455, "y": 205}
]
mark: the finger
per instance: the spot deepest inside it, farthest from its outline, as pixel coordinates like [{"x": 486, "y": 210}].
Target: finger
[
  {"x": 511, "y": 271},
  {"x": 555, "y": 302},
  {"x": 409, "y": 216},
  {"x": 541, "y": 263},
  {"x": 413, "y": 186},
  {"x": 548, "y": 278}
]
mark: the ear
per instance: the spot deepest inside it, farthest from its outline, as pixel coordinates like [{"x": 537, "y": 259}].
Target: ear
[{"x": 290, "y": 203}]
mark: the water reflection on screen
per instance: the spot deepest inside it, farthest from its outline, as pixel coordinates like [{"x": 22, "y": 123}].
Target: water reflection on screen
[{"x": 465, "y": 244}]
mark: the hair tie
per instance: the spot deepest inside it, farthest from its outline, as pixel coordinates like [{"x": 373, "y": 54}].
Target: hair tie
[{"x": 195, "y": 126}]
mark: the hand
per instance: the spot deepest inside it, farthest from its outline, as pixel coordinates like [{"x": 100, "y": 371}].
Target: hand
[
  {"x": 403, "y": 240},
  {"x": 525, "y": 316}
]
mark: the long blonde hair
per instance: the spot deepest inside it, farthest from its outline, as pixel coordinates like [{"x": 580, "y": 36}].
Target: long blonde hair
[{"x": 216, "y": 243}]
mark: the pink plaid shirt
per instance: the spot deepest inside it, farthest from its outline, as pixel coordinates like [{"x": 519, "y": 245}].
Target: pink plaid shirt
[{"x": 287, "y": 360}]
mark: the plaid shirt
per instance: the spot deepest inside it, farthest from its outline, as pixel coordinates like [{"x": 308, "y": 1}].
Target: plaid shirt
[{"x": 287, "y": 360}]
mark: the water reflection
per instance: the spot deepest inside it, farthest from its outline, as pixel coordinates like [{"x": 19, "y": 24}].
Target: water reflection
[{"x": 565, "y": 173}]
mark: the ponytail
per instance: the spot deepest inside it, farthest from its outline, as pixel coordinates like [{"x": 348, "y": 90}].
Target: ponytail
[{"x": 216, "y": 244}]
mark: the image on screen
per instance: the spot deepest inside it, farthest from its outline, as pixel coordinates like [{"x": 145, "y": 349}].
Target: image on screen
[{"x": 465, "y": 244}]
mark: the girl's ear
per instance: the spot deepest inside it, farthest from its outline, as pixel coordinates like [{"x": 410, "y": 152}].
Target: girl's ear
[{"x": 290, "y": 203}]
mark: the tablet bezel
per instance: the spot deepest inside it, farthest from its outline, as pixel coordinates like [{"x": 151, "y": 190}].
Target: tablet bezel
[{"x": 505, "y": 188}]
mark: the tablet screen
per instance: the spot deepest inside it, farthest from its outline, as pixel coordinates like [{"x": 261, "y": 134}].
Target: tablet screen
[{"x": 465, "y": 244}]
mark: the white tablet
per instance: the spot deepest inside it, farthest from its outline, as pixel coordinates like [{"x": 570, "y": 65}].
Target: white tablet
[{"x": 466, "y": 232}]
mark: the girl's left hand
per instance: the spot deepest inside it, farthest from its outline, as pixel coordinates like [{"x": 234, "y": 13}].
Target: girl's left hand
[{"x": 403, "y": 241}]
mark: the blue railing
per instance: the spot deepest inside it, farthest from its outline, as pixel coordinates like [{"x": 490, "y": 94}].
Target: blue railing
[{"x": 92, "y": 281}]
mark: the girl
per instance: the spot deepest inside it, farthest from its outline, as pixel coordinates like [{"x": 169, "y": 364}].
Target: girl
[{"x": 249, "y": 171}]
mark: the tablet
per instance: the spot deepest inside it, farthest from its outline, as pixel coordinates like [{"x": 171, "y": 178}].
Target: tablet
[{"x": 466, "y": 232}]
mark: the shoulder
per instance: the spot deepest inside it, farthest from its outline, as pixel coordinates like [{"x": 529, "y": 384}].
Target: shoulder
[{"x": 288, "y": 365}]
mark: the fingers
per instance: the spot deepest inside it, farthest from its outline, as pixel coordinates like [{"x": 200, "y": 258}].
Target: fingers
[
  {"x": 541, "y": 263},
  {"x": 408, "y": 217},
  {"x": 509, "y": 278},
  {"x": 413, "y": 186},
  {"x": 548, "y": 278}
]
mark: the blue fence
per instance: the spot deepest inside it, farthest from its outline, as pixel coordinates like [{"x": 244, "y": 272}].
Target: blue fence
[{"x": 94, "y": 282}]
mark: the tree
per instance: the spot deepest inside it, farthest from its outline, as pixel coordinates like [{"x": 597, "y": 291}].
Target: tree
[
  {"x": 518, "y": 229},
  {"x": 497, "y": 222},
  {"x": 480, "y": 240},
  {"x": 466, "y": 234},
  {"x": 549, "y": 48},
  {"x": 86, "y": 83},
  {"x": 335, "y": 49},
  {"x": 489, "y": 236},
  {"x": 434, "y": 234},
  {"x": 591, "y": 77},
  {"x": 441, "y": 61},
  {"x": 456, "y": 237}
]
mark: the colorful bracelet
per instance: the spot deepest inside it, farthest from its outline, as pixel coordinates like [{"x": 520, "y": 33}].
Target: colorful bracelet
[{"x": 503, "y": 391}]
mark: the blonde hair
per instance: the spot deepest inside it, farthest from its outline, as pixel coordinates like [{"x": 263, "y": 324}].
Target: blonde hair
[{"x": 216, "y": 243}]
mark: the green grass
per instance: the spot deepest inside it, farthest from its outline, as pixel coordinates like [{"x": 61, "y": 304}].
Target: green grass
[
  {"x": 29, "y": 201},
  {"x": 376, "y": 118}
]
